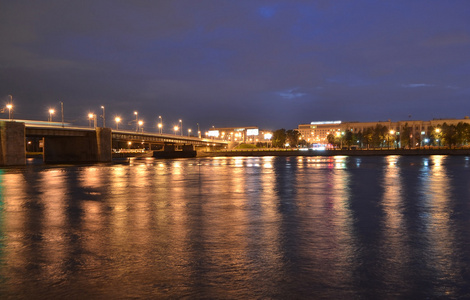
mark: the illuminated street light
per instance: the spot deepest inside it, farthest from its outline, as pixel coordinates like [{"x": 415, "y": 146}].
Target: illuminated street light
[
  {"x": 438, "y": 131},
  {"x": 140, "y": 123},
  {"x": 51, "y": 112},
  {"x": 9, "y": 106},
  {"x": 181, "y": 124},
  {"x": 160, "y": 127},
  {"x": 176, "y": 128},
  {"x": 117, "y": 119},
  {"x": 129, "y": 144},
  {"x": 91, "y": 116},
  {"x": 103, "y": 116},
  {"x": 136, "y": 121},
  {"x": 189, "y": 132},
  {"x": 392, "y": 132},
  {"x": 160, "y": 124}
]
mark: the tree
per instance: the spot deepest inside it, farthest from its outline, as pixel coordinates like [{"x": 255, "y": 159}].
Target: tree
[
  {"x": 449, "y": 134},
  {"x": 331, "y": 138},
  {"x": 367, "y": 136},
  {"x": 293, "y": 137},
  {"x": 303, "y": 143},
  {"x": 348, "y": 138},
  {"x": 379, "y": 134},
  {"x": 279, "y": 138},
  {"x": 405, "y": 136}
]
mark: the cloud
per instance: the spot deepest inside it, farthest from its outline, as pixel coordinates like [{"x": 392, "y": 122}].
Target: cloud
[
  {"x": 416, "y": 85},
  {"x": 291, "y": 94}
]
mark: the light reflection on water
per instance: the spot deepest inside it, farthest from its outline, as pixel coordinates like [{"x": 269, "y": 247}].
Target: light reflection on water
[{"x": 243, "y": 227}]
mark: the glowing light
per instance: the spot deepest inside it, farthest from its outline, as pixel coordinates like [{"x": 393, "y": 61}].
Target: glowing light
[{"x": 325, "y": 122}]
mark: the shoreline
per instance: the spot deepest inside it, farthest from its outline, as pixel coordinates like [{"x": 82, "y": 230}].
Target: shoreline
[{"x": 364, "y": 152}]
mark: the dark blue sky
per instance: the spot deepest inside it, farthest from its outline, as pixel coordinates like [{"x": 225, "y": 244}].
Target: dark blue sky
[{"x": 271, "y": 64}]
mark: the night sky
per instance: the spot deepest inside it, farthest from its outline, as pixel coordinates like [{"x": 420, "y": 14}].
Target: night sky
[{"x": 272, "y": 64}]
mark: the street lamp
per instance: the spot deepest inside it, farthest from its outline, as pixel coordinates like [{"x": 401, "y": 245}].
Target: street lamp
[
  {"x": 91, "y": 116},
  {"x": 117, "y": 119},
  {"x": 136, "y": 121},
  {"x": 175, "y": 129},
  {"x": 140, "y": 125},
  {"x": 438, "y": 131},
  {"x": 392, "y": 132},
  {"x": 51, "y": 112},
  {"x": 160, "y": 124},
  {"x": 103, "y": 116},
  {"x": 160, "y": 127},
  {"x": 181, "y": 124},
  {"x": 9, "y": 106},
  {"x": 189, "y": 132}
]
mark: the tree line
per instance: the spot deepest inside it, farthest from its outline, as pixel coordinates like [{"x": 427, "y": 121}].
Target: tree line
[{"x": 381, "y": 136}]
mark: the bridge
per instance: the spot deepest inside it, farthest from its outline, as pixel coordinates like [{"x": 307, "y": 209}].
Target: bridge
[{"x": 62, "y": 143}]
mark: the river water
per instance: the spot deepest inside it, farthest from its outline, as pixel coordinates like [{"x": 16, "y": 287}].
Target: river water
[{"x": 238, "y": 228}]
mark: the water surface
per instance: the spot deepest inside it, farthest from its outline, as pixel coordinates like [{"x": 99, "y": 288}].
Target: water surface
[{"x": 247, "y": 227}]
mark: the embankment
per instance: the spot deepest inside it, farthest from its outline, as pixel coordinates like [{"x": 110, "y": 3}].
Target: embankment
[{"x": 296, "y": 152}]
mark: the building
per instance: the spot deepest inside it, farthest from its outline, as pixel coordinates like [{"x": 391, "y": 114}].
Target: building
[
  {"x": 317, "y": 132},
  {"x": 249, "y": 134}
]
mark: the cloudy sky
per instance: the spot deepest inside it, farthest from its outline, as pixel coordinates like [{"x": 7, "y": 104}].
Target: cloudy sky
[{"x": 271, "y": 64}]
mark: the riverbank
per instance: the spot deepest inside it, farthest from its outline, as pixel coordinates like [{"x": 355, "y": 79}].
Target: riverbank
[{"x": 356, "y": 152}]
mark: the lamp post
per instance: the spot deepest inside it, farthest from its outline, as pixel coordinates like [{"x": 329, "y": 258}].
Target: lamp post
[
  {"x": 198, "y": 131},
  {"x": 438, "y": 131},
  {"x": 189, "y": 132},
  {"x": 160, "y": 124},
  {"x": 160, "y": 127},
  {"x": 51, "y": 112},
  {"x": 392, "y": 132},
  {"x": 117, "y": 119},
  {"x": 9, "y": 106},
  {"x": 91, "y": 116},
  {"x": 140, "y": 123},
  {"x": 136, "y": 121},
  {"x": 181, "y": 127},
  {"x": 175, "y": 129},
  {"x": 62, "y": 112},
  {"x": 103, "y": 116}
]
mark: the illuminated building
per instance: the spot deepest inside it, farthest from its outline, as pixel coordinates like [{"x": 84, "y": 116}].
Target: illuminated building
[
  {"x": 317, "y": 132},
  {"x": 250, "y": 134}
]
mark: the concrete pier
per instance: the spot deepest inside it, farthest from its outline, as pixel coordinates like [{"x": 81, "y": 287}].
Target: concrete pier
[
  {"x": 12, "y": 150},
  {"x": 94, "y": 146}
]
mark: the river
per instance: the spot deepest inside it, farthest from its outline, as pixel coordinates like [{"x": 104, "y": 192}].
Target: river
[{"x": 238, "y": 228}]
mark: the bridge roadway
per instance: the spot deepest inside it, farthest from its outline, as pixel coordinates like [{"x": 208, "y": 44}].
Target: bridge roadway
[
  {"x": 66, "y": 144},
  {"x": 119, "y": 135}
]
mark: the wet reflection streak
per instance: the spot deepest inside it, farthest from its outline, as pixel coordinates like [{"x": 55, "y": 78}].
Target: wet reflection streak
[{"x": 242, "y": 227}]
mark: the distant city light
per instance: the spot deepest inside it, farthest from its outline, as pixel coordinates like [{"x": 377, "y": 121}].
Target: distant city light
[
  {"x": 252, "y": 132},
  {"x": 213, "y": 133},
  {"x": 325, "y": 122},
  {"x": 268, "y": 136}
]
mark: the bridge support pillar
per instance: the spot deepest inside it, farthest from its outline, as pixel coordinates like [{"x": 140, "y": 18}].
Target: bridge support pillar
[
  {"x": 12, "y": 139},
  {"x": 93, "y": 147},
  {"x": 104, "y": 143}
]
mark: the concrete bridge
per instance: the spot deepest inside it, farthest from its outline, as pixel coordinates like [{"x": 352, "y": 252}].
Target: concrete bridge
[{"x": 66, "y": 144}]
